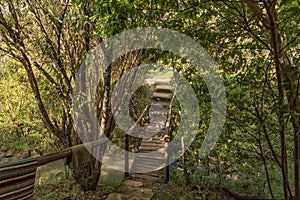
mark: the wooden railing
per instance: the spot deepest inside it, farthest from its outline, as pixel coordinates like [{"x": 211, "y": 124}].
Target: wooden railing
[
  {"x": 66, "y": 153},
  {"x": 17, "y": 178}
]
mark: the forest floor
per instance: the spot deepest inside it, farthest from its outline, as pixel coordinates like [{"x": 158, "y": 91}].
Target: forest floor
[
  {"x": 67, "y": 189},
  {"x": 54, "y": 183}
]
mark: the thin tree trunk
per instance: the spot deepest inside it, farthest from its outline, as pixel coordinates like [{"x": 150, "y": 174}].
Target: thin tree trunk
[
  {"x": 185, "y": 167},
  {"x": 260, "y": 117},
  {"x": 289, "y": 90}
]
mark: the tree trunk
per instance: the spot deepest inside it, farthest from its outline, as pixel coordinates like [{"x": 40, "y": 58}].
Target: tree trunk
[{"x": 288, "y": 85}]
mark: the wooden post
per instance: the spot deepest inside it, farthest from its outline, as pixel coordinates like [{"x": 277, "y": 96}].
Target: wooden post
[
  {"x": 126, "y": 173},
  {"x": 167, "y": 140},
  {"x": 168, "y": 137}
]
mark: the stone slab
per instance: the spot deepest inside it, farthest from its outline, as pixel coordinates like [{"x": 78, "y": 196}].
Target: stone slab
[
  {"x": 132, "y": 183},
  {"x": 142, "y": 194},
  {"x": 117, "y": 196}
]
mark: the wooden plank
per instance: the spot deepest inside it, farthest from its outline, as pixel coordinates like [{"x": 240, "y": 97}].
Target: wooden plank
[
  {"x": 147, "y": 151},
  {"x": 151, "y": 148},
  {"x": 152, "y": 134},
  {"x": 161, "y": 144},
  {"x": 150, "y": 162},
  {"x": 153, "y": 139},
  {"x": 154, "y": 145},
  {"x": 149, "y": 166},
  {"x": 158, "y": 81},
  {"x": 155, "y": 162},
  {"x": 159, "y": 95},
  {"x": 145, "y": 168},
  {"x": 156, "y": 157},
  {"x": 165, "y": 87},
  {"x": 137, "y": 168},
  {"x": 147, "y": 177},
  {"x": 162, "y": 103},
  {"x": 157, "y": 106},
  {"x": 158, "y": 111},
  {"x": 153, "y": 159},
  {"x": 153, "y": 154},
  {"x": 158, "y": 173}
]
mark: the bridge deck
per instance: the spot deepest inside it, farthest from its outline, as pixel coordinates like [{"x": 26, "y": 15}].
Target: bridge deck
[{"x": 151, "y": 159}]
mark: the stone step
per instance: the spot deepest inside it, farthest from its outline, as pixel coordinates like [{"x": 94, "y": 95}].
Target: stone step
[
  {"x": 132, "y": 183},
  {"x": 131, "y": 190},
  {"x": 9, "y": 153}
]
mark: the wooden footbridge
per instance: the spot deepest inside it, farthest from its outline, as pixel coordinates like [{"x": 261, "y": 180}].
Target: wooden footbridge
[
  {"x": 156, "y": 136},
  {"x": 146, "y": 169}
]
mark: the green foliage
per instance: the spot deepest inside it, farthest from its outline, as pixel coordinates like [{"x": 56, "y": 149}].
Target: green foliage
[
  {"x": 20, "y": 124},
  {"x": 108, "y": 186},
  {"x": 61, "y": 187},
  {"x": 247, "y": 153}
]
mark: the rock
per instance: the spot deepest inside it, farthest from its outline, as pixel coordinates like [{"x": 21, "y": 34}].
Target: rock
[
  {"x": 9, "y": 153},
  {"x": 26, "y": 155},
  {"x": 142, "y": 194},
  {"x": 127, "y": 190},
  {"x": 133, "y": 183},
  {"x": 1, "y": 157},
  {"x": 4, "y": 149},
  {"x": 117, "y": 196}
]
